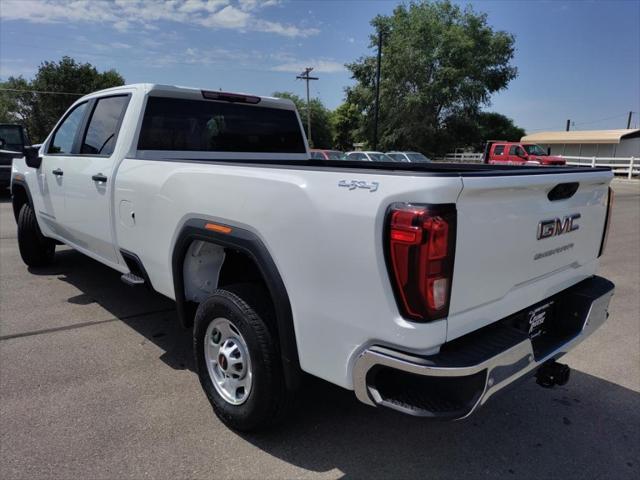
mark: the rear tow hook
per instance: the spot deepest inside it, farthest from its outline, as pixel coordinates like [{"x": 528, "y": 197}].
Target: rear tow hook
[{"x": 552, "y": 373}]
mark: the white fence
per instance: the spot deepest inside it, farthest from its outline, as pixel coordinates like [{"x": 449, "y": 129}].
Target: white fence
[
  {"x": 463, "y": 157},
  {"x": 628, "y": 166}
]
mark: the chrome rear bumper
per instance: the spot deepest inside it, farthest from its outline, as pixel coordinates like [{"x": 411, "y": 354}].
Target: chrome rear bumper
[{"x": 467, "y": 377}]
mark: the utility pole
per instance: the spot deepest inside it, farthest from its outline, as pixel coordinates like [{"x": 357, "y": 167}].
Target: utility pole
[
  {"x": 305, "y": 76},
  {"x": 568, "y": 124},
  {"x": 629, "y": 120},
  {"x": 377, "y": 105}
]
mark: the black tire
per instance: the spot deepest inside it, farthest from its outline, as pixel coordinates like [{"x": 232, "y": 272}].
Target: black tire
[
  {"x": 248, "y": 309},
  {"x": 36, "y": 250}
]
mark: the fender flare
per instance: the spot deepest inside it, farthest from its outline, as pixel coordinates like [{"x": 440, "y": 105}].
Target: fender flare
[
  {"x": 248, "y": 243},
  {"x": 22, "y": 184}
]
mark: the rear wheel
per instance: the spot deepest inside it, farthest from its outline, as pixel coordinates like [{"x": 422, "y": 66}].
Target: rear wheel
[
  {"x": 238, "y": 360},
  {"x": 36, "y": 250}
]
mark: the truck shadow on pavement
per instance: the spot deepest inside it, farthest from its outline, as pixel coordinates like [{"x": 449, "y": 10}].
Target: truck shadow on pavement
[{"x": 586, "y": 429}]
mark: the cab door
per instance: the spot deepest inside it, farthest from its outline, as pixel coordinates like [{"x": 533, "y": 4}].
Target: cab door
[
  {"x": 57, "y": 153},
  {"x": 515, "y": 154},
  {"x": 89, "y": 179}
]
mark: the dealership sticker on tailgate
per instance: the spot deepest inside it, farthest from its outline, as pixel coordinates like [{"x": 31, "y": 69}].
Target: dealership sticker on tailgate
[{"x": 537, "y": 318}]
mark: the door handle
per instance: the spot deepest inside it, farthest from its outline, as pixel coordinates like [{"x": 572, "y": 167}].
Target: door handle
[
  {"x": 57, "y": 172},
  {"x": 99, "y": 178}
]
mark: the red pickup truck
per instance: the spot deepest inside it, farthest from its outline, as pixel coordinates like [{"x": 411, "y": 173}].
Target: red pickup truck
[{"x": 517, "y": 153}]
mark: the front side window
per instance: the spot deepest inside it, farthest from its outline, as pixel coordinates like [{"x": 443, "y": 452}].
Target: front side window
[
  {"x": 336, "y": 155},
  {"x": 209, "y": 126},
  {"x": 535, "y": 150},
  {"x": 64, "y": 136},
  {"x": 102, "y": 131},
  {"x": 317, "y": 156},
  {"x": 380, "y": 157},
  {"x": 513, "y": 150},
  {"x": 418, "y": 158}
]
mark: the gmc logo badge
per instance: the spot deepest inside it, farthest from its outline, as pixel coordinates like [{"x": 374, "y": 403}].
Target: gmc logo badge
[{"x": 557, "y": 226}]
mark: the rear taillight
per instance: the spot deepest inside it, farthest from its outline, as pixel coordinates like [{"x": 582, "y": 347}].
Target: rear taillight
[
  {"x": 420, "y": 246},
  {"x": 607, "y": 221}
]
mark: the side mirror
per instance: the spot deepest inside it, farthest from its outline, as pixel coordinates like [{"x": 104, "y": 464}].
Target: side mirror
[
  {"x": 522, "y": 154},
  {"x": 31, "y": 157}
]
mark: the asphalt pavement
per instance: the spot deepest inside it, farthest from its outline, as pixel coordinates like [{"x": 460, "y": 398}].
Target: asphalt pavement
[{"x": 97, "y": 381}]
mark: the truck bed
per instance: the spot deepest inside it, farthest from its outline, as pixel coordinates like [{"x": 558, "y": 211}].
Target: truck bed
[{"x": 432, "y": 169}]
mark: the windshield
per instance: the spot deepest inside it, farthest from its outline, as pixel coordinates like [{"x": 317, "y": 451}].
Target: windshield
[
  {"x": 380, "y": 157},
  {"x": 336, "y": 155},
  {"x": 535, "y": 150},
  {"x": 417, "y": 158}
]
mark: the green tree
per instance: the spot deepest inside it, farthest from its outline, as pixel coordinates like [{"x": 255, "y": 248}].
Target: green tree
[
  {"x": 321, "y": 127},
  {"x": 495, "y": 126},
  {"x": 14, "y": 104},
  {"x": 67, "y": 79},
  {"x": 346, "y": 121},
  {"x": 440, "y": 63}
]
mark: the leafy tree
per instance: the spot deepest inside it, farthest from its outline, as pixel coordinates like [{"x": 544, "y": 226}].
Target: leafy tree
[
  {"x": 13, "y": 105},
  {"x": 440, "y": 64},
  {"x": 39, "y": 111},
  {"x": 346, "y": 121},
  {"x": 321, "y": 127},
  {"x": 494, "y": 126}
]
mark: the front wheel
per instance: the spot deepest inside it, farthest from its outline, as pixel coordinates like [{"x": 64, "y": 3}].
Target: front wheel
[
  {"x": 237, "y": 359},
  {"x": 36, "y": 250}
]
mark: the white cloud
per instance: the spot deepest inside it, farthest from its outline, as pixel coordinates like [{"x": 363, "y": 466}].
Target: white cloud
[
  {"x": 126, "y": 14},
  {"x": 319, "y": 66}
]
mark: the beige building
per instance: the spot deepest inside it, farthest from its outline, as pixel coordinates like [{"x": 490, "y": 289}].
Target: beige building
[{"x": 589, "y": 143}]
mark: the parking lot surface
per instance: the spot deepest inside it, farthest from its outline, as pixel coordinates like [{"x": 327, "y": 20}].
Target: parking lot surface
[{"x": 97, "y": 381}]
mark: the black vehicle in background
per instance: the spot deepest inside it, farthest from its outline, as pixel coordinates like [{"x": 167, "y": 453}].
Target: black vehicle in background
[{"x": 13, "y": 138}]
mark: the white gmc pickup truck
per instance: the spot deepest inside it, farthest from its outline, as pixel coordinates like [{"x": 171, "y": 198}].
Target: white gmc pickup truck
[{"x": 425, "y": 288}]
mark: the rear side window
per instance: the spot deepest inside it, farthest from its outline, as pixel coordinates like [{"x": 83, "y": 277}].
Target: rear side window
[
  {"x": 65, "y": 135},
  {"x": 12, "y": 137},
  {"x": 102, "y": 131},
  {"x": 499, "y": 150},
  {"x": 208, "y": 126}
]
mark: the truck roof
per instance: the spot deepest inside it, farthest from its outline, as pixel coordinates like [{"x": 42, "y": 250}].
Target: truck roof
[{"x": 190, "y": 93}]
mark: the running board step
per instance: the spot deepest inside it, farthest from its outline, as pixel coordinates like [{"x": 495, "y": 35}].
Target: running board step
[{"x": 132, "y": 280}]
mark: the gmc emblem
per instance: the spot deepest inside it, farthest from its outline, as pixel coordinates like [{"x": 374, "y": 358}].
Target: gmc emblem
[{"x": 557, "y": 226}]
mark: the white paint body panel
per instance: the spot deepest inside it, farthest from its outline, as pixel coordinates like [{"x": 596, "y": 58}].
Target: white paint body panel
[{"x": 327, "y": 241}]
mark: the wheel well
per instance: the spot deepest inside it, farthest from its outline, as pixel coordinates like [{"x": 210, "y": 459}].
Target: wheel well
[
  {"x": 18, "y": 198},
  {"x": 208, "y": 266}
]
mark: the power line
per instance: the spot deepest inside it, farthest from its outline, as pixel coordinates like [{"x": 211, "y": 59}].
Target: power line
[{"x": 40, "y": 91}]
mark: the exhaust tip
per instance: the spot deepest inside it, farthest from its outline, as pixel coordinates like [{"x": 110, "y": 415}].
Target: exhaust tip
[{"x": 553, "y": 373}]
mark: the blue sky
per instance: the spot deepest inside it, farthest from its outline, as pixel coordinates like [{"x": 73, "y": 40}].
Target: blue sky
[{"x": 576, "y": 59}]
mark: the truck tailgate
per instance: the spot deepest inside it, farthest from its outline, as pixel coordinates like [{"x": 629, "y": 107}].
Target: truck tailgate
[{"x": 501, "y": 264}]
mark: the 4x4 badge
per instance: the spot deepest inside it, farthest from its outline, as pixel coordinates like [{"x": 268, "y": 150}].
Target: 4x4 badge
[{"x": 353, "y": 184}]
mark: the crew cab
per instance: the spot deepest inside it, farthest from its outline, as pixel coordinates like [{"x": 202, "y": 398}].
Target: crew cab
[
  {"x": 423, "y": 287},
  {"x": 516, "y": 153}
]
